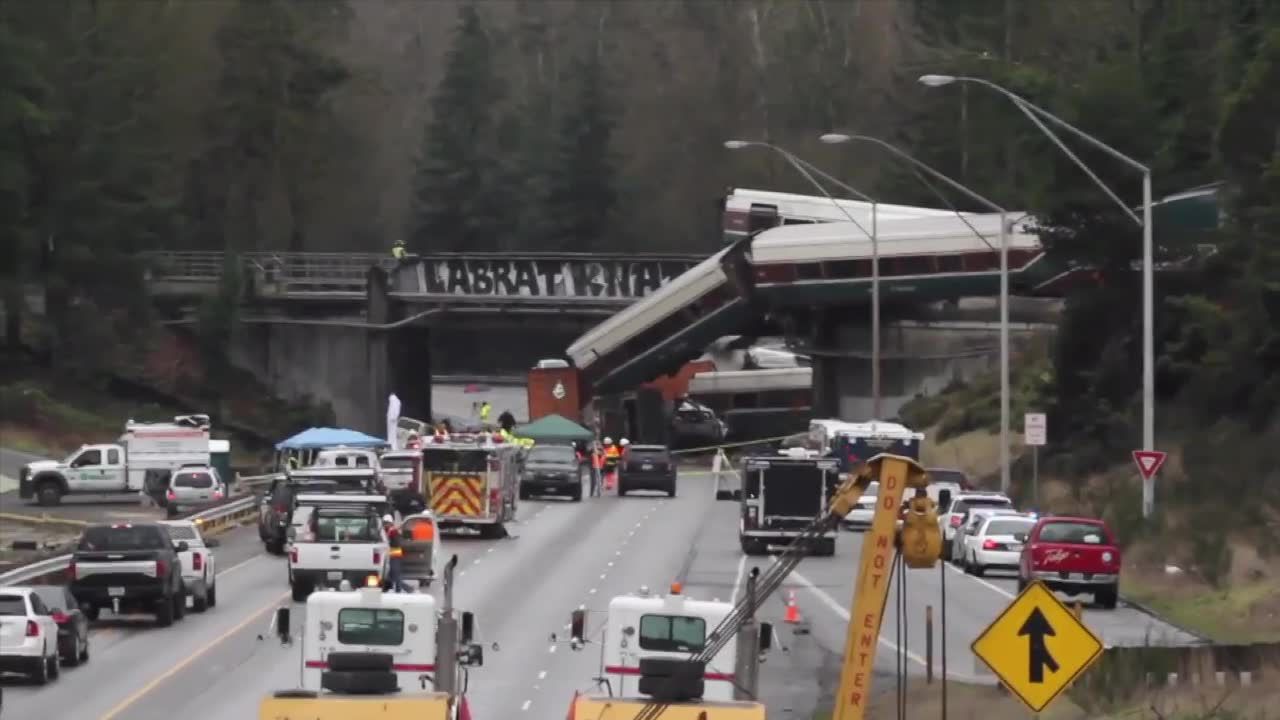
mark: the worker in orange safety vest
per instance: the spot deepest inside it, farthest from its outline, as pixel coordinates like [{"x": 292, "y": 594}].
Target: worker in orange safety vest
[{"x": 597, "y": 468}]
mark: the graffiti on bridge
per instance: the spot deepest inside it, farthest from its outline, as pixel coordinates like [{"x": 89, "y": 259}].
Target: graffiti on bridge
[{"x": 549, "y": 278}]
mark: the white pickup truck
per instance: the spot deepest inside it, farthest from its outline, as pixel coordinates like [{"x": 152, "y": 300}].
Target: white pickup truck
[
  {"x": 199, "y": 566},
  {"x": 336, "y": 538}
]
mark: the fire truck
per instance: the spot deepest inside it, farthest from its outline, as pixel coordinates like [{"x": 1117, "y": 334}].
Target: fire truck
[{"x": 471, "y": 481}]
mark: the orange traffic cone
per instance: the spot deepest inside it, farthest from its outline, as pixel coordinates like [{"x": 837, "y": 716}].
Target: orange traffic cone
[
  {"x": 464, "y": 710},
  {"x": 792, "y": 616},
  {"x": 573, "y": 706}
]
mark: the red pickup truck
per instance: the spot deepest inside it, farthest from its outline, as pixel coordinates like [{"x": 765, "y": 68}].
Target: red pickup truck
[{"x": 1072, "y": 555}]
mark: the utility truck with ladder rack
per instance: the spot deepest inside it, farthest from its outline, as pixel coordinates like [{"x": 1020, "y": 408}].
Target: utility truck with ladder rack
[
  {"x": 680, "y": 685},
  {"x": 370, "y": 655}
]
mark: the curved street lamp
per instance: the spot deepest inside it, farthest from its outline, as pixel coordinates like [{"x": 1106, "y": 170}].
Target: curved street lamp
[
  {"x": 1035, "y": 114},
  {"x": 842, "y": 138}
]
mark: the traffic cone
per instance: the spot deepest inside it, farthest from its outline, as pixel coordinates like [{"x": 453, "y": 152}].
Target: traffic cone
[
  {"x": 609, "y": 478},
  {"x": 573, "y": 706},
  {"x": 464, "y": 710},
  {"x": 792, "y": 616}
]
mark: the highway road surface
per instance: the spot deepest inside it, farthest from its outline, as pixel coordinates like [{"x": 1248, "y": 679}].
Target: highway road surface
[{"x": 562, "y": 555}]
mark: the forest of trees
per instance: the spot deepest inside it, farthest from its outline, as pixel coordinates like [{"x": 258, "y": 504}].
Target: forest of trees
[{"x": 587, "y": 125}]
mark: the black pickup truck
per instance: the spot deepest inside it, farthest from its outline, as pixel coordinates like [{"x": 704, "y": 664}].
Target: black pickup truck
[{"x": 134, "y": 564}]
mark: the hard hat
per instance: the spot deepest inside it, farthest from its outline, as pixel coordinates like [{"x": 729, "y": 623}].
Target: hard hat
[
  {"x": 625, "y": 442},
  {"x": 608, "y": 441},
  {"x": 388, "y": 519}
]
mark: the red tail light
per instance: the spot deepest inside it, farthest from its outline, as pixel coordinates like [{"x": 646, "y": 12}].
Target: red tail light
[
  {"x": 162, "y": 568},
  {"x": 293, "y": 555},
  {"x": 171, "y": 494},
  {"x": 33, "y": 630},
  {"x": 377, "y": 557},
  {"x": 217, "y": 494},
  {"x": 60, "y": 617},
  {"x": 955, "y": 521},
  {"x": 197, "y": 561},
  {"x": 71, "y": 571},
  {"x": 989, "y": 545},
  {"x": 495, "y": 499}
]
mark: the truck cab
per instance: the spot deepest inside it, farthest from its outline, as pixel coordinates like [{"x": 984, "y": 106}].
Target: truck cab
[
  {"x": 781, "y": 496},
  {"x": 141, "y": 461},
  {"x": 369, "y": 620}
]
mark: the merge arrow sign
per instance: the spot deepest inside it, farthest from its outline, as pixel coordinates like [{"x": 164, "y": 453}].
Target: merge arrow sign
[{"x": 1036, "y": 628}]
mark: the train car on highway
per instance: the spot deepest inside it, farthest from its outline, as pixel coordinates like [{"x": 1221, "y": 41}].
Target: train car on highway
[
  {"x": 757, "y": 404},
  {"x": 471, "y": 481},
  {"x": 750, "y": 211}
]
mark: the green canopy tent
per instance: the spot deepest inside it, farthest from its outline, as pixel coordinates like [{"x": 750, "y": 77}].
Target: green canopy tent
[{"x": 554, "y": 429}]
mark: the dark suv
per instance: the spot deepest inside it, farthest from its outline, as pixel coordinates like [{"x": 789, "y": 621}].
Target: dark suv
[
  {"x": 551, "y": 469},
  {"x": 647, "y": 467}
]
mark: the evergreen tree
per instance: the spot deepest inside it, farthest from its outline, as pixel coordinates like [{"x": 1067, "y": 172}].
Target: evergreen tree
[
  {"x": 459, "y": 200},
  {"x": 582, "y": 189}
]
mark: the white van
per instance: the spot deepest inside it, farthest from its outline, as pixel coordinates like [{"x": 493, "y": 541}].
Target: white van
[{"x": 367, "y": 620}]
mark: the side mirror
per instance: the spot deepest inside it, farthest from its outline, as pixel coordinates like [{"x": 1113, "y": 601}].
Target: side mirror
[
  {"x": 182, "y": 546},
  {"x": 578, "y": 625},
  {"x": 468, "y": 628},
  {"x": 766, "y": 637},
  {"x": 212, "y": 542},
  {"x": 282, "y": 624},
  {"x": 473, "y": 655}
]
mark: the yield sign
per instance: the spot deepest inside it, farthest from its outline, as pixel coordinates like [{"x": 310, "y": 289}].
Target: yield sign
[{"x": 1149, "y": 462}]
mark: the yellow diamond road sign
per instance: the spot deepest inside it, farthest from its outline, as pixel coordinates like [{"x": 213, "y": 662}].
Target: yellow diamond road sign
[{"x": 1037, "y": 647}]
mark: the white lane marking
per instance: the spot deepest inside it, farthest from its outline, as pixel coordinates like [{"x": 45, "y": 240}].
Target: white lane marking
[
  {"x": 602, "y": 575},
  {"x": 610, "y": 564},
  {"x": 476, "y": 561},
  {"x": 542, "y": 675},
  {"x": 980, "y": 581},
  {"x": 526, "y": 705},
  {"x": 618, "y": 554},
  {"x": 592, "y": 591},
  {"x": 552, "y": 649},
  {"x": 241, "y": 564},
  {"x": 737, "y": 580},
  {"x": 490, "y": 550}
]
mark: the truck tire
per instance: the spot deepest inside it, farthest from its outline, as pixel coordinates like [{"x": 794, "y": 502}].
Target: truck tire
[
  {"x": 1106, "y": 597},
  {"x": 359, "y": 662},
  {"x": 524, "y": 493},
  {"x": 164, "y": 612},
  {"x": 752, "y": 547},
  {"x": 49, "y": 493},
  {"x": 212, "y": 596},
  {"x": 179, "y": 604},
  {"x": 496, "y": 531},
  {"x": 91, "y": 612},
  {"x": 576, "y": 494},
  {"x": 359, "y": 683},
  {"x": 300, "y": 590},
  {"x": 200, "y": 601},
  {"x": 275, "y": 547}
]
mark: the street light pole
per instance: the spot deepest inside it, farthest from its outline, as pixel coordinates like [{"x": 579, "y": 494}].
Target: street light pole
[
  {"x": 839, "y": 138},
  {"x": 803, "y": 167},
  {"x": 1148, "y": 242}
]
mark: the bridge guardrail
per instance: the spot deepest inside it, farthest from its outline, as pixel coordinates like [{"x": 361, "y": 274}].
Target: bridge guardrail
[{"x": 211, "y": 521}]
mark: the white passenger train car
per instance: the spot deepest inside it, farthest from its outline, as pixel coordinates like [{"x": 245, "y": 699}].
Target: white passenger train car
[
  {"x": 695, "y": 299},
  {"x": 732, "y": 382},
  {"x": 793, "y": 209}
]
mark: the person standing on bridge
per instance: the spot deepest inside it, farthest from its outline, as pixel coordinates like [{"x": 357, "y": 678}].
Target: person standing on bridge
[
  {"x": 397, "y": 250},
  {"x": 484, "y": 414}
]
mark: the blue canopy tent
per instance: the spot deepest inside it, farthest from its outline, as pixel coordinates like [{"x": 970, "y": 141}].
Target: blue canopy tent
[
  {"x": 304, "y": 445},
  {"x": 317, "y": 438}
]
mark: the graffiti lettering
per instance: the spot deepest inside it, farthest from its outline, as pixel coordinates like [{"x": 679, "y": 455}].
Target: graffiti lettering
[{"x": 548, "y": 278}]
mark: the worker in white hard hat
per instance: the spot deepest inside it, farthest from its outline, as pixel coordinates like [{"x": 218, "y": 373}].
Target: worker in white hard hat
[{"x": 395, "y": 556}]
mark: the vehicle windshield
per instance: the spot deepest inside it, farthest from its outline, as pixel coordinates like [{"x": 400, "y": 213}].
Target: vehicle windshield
[
  {"x": 181, "y": 532},
  {"x": 1009, "y": 527},
  {"x": 552, "y": 454},
  {"x": 396, "y": 462},
  {"x": 124, "y": 537},
  {"x": 345, "y": 526},
  {"x": 1073, "y": 533},
  {"x": 471, "y": 461},
  {"x": 947, "y": 476},
  {"x": 11, "y": 605},
  {"x": 199, "y": 480},
  {"x": 873, "y": 490}
]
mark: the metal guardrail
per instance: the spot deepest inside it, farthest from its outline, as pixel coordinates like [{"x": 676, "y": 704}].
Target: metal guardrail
[{"x": 211, "y": 521}]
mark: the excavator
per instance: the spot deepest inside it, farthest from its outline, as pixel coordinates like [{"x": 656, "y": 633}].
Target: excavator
[{"x": 672, "y": 688}]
